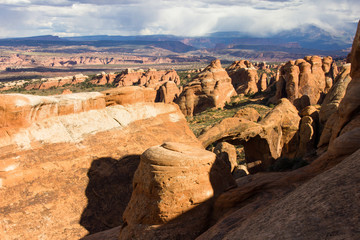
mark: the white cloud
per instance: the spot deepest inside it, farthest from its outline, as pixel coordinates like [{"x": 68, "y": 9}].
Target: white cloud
[{"x": 187, "y": 17}]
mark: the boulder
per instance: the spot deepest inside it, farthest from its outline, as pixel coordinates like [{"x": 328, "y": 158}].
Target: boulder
[
  {"x": 211, "y": 88},
  {"x": 172, "y": 188}
]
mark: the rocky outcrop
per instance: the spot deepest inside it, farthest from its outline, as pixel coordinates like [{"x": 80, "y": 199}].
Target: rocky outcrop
[
  {"x": 67, "y": 161},
  {"x": 305, "y": 81},
  {"x": 270, "y": 138},
  {"x": 172, "y": 188},
  {"x": 150, "y": 78},
  {"x": 210, "y": 88},
  {"x": 290, "y": 204},
  {"x": 243, "y": 76},
  {"x": 104, "y": 78},
  {"x": 129, "y": 95},
  {"x": 168, "y": 92}
]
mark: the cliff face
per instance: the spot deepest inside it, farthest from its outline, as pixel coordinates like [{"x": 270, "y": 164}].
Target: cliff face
[{"x": 67, "y": 161}]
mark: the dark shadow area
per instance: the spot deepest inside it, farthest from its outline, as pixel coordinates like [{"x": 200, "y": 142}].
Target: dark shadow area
[{"x": 108, "y": 192}]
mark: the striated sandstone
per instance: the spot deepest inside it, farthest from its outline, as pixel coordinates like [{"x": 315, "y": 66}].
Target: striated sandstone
[
  {"x": 129, "y": 95},
  {"x": 67, "y": 161}
]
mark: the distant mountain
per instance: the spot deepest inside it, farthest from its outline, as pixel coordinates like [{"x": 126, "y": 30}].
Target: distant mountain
[{"x": 302, "y": 41}]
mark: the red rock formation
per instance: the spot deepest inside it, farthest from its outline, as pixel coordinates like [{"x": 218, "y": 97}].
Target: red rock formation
[
  {"x": 129, "y": 95},
  {"x": 168, "y": 92},
  {"x": 66, "y": 162},
  {"x": 262, "y": 84},
  {"x": 270, "y": 138},
  {"x": 210, "y": 88},
  {"x": 151, "y": 78},
  {"x": 243, "y": 77},
  {"x": 103, "y": 78},
  {"x": 304, "y": 81},
  {"x": 290, "y": 204}
]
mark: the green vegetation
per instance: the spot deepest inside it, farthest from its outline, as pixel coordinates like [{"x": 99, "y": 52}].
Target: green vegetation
[
  {"x": 208, "y": 118},
  {"x": 186, "y": 76}
]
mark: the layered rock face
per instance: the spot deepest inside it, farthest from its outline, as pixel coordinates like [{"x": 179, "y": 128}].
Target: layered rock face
[
  {"x": 270, "y": 138},
  {"x": 210, "y": 88},
  {"x": 67, "y": 161},
  {"x": 317, "y": 201},
  {"x": 304, "y": 81},
  {"x": 172, "y": 188},
  {"x": 244, "y": 77}
]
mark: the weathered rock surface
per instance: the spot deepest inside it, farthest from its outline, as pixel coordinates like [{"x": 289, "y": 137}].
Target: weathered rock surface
[
  {"x": 243, "y": 76},
  {"x": 304, "y": 82},
  {"x": 172, "y": 188},
  {"x": 327, "y": 206},
  {"x": 210, "y": 88},
  {"x": 67, "y": 161},
  {"x": 270, "y": 138},
  {"x": 129, "y": 95}
]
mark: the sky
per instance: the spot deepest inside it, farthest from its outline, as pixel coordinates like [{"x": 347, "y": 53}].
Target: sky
[{"x": 258, "y": 18}]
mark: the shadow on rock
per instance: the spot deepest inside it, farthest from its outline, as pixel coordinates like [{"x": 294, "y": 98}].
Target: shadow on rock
[{"x": 108, "y": 192}]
